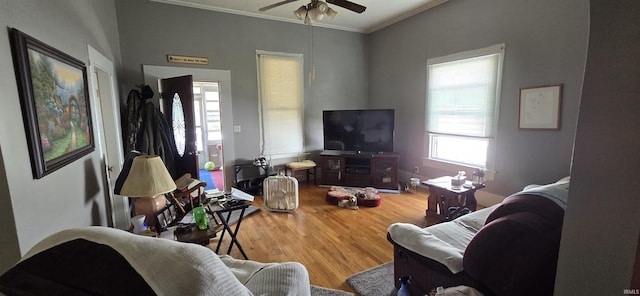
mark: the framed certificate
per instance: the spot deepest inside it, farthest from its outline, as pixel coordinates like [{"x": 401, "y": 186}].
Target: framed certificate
[{"x": 540, "y": 107}]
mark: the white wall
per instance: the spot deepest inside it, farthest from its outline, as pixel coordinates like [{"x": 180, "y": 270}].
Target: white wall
[{"x": 72, "y": 196}]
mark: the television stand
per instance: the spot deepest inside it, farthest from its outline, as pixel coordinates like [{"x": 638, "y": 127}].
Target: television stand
[{"x": 360, "y": 169}]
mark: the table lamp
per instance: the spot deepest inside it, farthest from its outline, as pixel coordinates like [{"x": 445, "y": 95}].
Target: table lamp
[{"x": 147, "y": 182}]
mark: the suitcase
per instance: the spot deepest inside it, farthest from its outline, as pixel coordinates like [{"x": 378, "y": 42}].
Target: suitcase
[{"x": 280, "y": 193}]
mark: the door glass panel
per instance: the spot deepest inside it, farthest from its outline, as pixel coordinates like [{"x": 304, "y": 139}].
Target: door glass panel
[{"x": 179, "y": 132}]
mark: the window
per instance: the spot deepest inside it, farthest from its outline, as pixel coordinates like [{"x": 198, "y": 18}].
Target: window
[
  {"x": 463, "y": 93},
  {"x": 280, "y": 86}
]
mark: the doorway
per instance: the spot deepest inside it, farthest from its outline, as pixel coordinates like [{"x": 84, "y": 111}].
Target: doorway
[
  {"x": 206, "y": 100},
  {"x": 103, "y": 89},
  {"x": 222, "y": 81}
]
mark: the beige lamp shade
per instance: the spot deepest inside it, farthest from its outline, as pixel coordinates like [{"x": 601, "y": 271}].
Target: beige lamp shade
[{"x": 148, "y": 178}]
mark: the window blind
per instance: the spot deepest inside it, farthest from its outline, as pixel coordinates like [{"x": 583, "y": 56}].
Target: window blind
[
  {"x": 462, "y": 96},
  {"x": 280, "y": 84}
]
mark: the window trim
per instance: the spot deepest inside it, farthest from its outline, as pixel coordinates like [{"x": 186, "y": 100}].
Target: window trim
[{"x": 491, "y": 149}]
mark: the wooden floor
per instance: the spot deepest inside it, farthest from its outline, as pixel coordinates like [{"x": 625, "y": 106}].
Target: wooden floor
[{"x": 332, "y": 242}]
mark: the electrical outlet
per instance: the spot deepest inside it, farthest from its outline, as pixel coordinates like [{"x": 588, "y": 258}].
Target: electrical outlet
[{"x": 416, "y": 169}]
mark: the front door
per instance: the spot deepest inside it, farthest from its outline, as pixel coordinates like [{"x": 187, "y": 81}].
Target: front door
[{"x": 177, "y": 106}]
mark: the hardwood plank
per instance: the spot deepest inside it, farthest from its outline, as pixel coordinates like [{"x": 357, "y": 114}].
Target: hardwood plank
[{"x": 332, "y": 242}]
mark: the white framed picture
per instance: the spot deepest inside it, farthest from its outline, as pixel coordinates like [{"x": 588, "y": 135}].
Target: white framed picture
[{"x": 540, "y": 107}]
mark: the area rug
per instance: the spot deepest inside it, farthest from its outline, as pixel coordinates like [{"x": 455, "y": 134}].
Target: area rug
[
  {"x": 218, "y": 178},
  {"x": 207, "y": 177},
  {"x": 377, "y": 281},
  {"x": 320, "y": 291}
]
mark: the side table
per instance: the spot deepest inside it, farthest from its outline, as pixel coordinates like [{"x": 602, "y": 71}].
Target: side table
[
  {"x": 442, "y": 196},
  {"x": 197, "y": 236},
  {"x": 239, "y": 167},
  {"x": 219, "y": 208},
  {"x": 254, "y": 185}
]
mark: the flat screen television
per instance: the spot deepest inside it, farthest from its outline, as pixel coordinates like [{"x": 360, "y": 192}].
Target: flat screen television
[{"x": 358, "y": 130}]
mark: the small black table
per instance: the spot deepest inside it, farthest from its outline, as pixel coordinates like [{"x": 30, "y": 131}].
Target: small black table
[
  {"x": 239, "y": 167},
  {"x": 218, "y": 209}
]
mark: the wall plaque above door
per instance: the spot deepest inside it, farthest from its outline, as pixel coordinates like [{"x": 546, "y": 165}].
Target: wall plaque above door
[{"x": 187, "y": 60}]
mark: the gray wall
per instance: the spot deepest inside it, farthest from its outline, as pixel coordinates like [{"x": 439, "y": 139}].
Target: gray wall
[
  {"x": 72, "y": 196},
  {"x": 545, "y": 44},
  {"x": 149, "y": 31},
  {"x": 386, "y": 69},
  {"x": 601, "y": 226}
]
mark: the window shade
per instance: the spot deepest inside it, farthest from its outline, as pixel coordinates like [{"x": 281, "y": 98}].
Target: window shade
[
  {"x": 280, "y": 79},
  {"x": 462, "y": 96}
]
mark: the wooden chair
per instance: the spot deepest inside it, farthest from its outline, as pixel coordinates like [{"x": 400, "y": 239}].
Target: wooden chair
[
  {"x": 193, "y": 190},
  {"x": 185, "y": 187}
]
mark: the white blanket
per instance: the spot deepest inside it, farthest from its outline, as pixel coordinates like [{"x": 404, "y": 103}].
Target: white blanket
[
  {"x": 174, "y": 268},
  {"x": 444, "y": 242},
  {"x": 286, "y": 279},
  {"x": 557, "y": 192}
]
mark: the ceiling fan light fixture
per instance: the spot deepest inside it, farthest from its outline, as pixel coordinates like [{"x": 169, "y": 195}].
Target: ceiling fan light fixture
[
  {"x": 301, "y": 12},
  {"x": 331, "y": 13},
  {"x": 308, "y": 20},
  {"x": 315, "y": 15},
  {"x": 322, "y": 7},
  {"x": 315, "y": 10}
]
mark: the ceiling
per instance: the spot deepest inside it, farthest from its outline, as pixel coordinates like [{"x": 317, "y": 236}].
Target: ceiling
[{"x": 379, "y": 13}]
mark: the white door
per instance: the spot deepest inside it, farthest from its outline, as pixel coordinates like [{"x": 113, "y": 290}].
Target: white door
[{"x": 108, "y": 134}]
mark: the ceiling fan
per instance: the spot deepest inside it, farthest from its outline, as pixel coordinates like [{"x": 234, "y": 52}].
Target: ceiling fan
[{"x": 317, "y": 9}]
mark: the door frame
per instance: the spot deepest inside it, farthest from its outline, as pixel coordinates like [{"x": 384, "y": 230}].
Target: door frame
[
  {"x": 223, "y": 77},
  {"x": 106, "y": 107}
]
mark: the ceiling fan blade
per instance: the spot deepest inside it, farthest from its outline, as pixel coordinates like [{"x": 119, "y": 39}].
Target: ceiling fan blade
[
  {"x": 276, "y": 5},
  {"x": 348, "y": 5}
]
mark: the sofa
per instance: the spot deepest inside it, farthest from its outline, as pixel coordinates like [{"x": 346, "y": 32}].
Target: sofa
[
  {"x": 510, "y": 248},
  {"x": 105, "y": 261}
]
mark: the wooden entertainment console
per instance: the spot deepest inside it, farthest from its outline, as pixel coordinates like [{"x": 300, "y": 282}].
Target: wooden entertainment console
[{"x": 348, "y": 168}]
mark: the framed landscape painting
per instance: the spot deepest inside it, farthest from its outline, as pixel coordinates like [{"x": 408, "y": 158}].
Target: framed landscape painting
[{"x": 55, "y": 104}]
